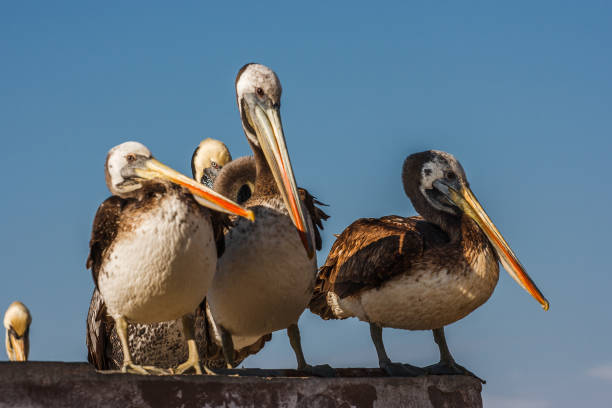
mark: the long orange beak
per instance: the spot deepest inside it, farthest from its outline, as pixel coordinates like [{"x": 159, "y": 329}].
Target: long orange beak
[
  {"x": 466, "y": 200},
  {"x": 205, "y": 196},
  {"x": 269, "y": 130}
]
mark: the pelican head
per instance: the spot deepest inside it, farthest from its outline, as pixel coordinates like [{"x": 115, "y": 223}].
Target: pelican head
[
  {"x": 17, "y": 321},
  {"x": 436, "y": 183},
  {"x": 208, "y": 159},
  {"x": 130, "y": 164},
  {"x": 258, "y": 93},
  {"x": 258, "y": 86}
]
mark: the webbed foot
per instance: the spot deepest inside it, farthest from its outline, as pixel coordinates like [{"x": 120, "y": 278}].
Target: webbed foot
[
  {"x": 132, "y": 368},
  {"x": 450, "y": 368},
  {"x": 195, "y": 364},
  {"x": 402, "y": 370},
  {"x": 322, "y": 370}
]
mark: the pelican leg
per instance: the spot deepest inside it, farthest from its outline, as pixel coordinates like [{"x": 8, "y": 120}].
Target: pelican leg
[
  {"x": 323, "y": 370},
  {"x": 228, "y": 347},
  {"x": 392, "y": 369},
  {"x": 193, "y": 360},
  {"x": 128, "y": 366},
  {"x": 447, "y": 364}
]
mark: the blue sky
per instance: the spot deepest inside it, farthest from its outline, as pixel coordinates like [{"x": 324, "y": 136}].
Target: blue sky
[{"x": 520, "y": 93}]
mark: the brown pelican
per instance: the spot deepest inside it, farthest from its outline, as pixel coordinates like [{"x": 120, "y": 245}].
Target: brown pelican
[
  {"x": 419, "y": 273},
  {"x": 265, "y": 278},
  {"x": 162, "y": 344},
  {"x": 153, "y": 250},
  {"x": 17, "y": 321}
]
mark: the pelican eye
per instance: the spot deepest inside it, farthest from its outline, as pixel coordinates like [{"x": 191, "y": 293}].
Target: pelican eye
[
  {"x": 450, "y": 175},
  {"x": 214, "y": 164},
  {"x": 260, "y": 92},
  {"x": 130, "y": 157}
]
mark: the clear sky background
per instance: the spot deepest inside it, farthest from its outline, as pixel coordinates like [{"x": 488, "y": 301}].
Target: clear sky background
[{"x": 521, "y": 94}]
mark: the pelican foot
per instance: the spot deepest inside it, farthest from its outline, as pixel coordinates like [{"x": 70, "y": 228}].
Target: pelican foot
[
  {"x": 451, "y": 368},
  {"x": 402, "y": 370},
  {"x": 323, "y": 370},
  {"x": 132, "y": 368},
  {"x": 182, "y": 368}
]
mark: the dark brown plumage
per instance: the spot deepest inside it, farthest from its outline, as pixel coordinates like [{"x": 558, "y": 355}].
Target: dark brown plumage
[
  {"x": 105, "y": 227},
  {"x": 317, "y": 215},
  {"x": 369, "y": 252}
]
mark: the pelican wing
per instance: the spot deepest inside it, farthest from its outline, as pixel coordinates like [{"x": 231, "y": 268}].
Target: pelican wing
[
  {"x": 317, "y": 215},
  {"x": 368, "y": 253},
  {"x": 104, "y": 232},
  {"x": 99, "y": 327}
]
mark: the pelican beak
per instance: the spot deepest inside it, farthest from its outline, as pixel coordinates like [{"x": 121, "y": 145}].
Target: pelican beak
[
  {"x": 269, "y": 129},
  {"x": 150, "y": 168},
  {"x": 467, "y": 202},
  {"x": 17, "y": 347}
]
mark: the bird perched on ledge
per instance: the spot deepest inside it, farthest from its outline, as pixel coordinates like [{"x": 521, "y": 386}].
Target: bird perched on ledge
[
  {"x": 237, "y": 181},
  {"x": 154, "y": 248},
  {"x": 265, "y": 278},
  {"x": 17, "y": 320},
  {"x": 419, "y": 273},
  {"x": 162, "y": 344}
]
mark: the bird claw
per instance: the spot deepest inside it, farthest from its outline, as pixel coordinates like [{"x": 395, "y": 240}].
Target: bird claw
[
  {"x": 195, "y": 364},
  {"x": 451, "y": 368},
  {"x": 132, "y": 368}
]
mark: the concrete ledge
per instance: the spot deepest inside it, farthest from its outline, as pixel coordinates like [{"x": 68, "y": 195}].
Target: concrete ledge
[{"x": 38, "y": 384}]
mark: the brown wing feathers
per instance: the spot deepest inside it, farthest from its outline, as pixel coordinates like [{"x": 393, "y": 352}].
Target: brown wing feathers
[
  {"x": 98, "y": 332},
  {"x": 316, "y": 214},
  {"x": 369, "y": 252},
  {"x": 104, "y": 231}
]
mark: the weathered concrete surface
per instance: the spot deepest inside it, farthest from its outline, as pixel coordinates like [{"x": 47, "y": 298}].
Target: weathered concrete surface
[{"x": 37, "y": 384}]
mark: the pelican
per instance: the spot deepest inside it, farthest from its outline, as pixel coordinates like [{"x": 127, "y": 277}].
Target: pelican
[
  {"x": 17, "y": 321},
  {"x": 153, "y": 250},
  {"x": 265, "y": 278},
  {"x": 419, "y": 273},
  {"x": 208, "y": 159},
  {"x": 162, "y": 344}
]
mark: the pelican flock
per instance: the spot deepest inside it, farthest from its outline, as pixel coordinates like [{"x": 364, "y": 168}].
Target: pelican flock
[
  {"x": 195, "y": 274},
  {"x": 163, "y": 344}
]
